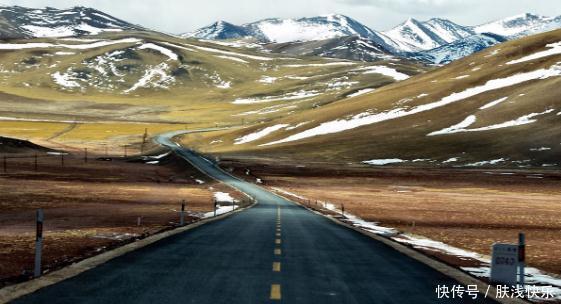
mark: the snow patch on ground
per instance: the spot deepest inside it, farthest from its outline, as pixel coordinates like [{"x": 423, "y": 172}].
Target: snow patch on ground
[
  {"x": 155, "y": 77},
  {"x": 65, "y": 80},
  {"x": 223, "y": 197},
  {"x": 361, "y": 92},
  {"x": 461, "y": 127},
  {"x": 382, "y": 162},
  {"x": 384, "y": 70},
  {"x": 35, "y": 45},
  {"x": 470, "y": 120},
  {"x": 554, "y": 49},
  {"x": 486, "y": 162},
  {"x": 493, "y": 103},
  {"x": 167, "y": 52},
  {"x": 259, "y": 134}
]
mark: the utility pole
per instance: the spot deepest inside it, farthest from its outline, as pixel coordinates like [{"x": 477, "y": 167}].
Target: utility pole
[{"x": 38, "y": 243}]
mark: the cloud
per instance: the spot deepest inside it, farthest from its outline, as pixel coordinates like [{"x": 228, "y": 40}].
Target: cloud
[{"x": 424, "y": 7}]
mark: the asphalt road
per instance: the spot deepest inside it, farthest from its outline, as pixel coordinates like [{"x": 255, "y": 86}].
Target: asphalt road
[{"x": 275, "y": 252}]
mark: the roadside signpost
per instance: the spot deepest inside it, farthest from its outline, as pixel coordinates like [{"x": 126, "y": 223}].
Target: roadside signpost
[
  {"x": 507, "y": 263},
  {"x": 38, "y": 243}
]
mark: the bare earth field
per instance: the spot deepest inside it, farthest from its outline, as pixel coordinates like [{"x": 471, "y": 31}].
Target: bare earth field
[
  {"x": 91, "y": 207},
  {"x": 469, "y": 209}
]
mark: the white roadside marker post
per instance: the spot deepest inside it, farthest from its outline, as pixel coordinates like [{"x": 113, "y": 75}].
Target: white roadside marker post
[
  {"x": 521, "y": 257},
  {"x": 38, "y": 243},
  {"x": 215, "y": 204},
  {"x": 182, "y": 214}
]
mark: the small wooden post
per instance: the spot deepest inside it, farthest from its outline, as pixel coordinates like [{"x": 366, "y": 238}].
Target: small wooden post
[
  {"x": 125, "y": 150},
  {"x": 35, "y": 162},
  {"x": 38, "y": 243},
  {"x": 342, "y": 209},
  {"x": 139, "y": 221},
  {"x": 5, "y": 164},
  {"x": 61, "y": 159},
  {"x": 86, "y": 155}
]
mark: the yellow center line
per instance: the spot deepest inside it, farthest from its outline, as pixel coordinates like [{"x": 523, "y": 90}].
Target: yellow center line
[
  {"x": 278, "y": 234},
  {"x": 278, "y": 251},
  {"x": 277, "y": 241},
  {"x": 276, "y": 266},
  {"x": 275, "y": 292}
]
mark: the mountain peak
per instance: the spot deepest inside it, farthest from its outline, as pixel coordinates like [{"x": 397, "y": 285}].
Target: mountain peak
[{"x": 22, "y": 22}]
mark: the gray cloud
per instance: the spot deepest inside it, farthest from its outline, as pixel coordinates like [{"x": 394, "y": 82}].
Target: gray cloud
[{"x": 177, "y": 16}]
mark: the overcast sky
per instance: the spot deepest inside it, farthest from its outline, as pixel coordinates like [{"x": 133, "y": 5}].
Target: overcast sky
[{"x": 178, "y": 16}]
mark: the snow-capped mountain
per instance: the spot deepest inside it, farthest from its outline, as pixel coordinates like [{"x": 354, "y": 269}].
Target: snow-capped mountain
[
  {"x": 22, "y": 22},
  {"x": 292, "y": 30},
  {"x": 458, "y": 49},
  {"x": 520, "y": 25},
  {"x": 435, "y": 41},
  {"x": 220, "y": 30},
  {"x": 412, "y": 36}
]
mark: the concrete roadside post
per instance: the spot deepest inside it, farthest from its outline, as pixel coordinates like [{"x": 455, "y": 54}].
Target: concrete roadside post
[
  {"x": 521, "y": 258},
  {"x": 182, "y": 214},
  {"x": 504, "y": 264},
  {"x": 38, "y": 243}
]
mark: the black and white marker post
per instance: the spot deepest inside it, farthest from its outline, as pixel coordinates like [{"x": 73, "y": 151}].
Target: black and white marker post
[
  {"x": 182, "y": 214},
  {"x": 521, "y": 258},
  {"x": 38, "y": 243}
]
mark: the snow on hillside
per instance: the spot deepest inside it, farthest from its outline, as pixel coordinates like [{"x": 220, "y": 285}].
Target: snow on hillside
[
  {"x": 368, "y": 118},
  {"x": 52, "y": 22},
  {"x": 412, "y": 36},
  {"x": 520, "y": 25}
]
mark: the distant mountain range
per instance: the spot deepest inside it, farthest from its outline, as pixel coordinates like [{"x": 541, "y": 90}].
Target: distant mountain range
[
  {"x": 22, "y": 22},
  {"x": 436, "y": 40}
]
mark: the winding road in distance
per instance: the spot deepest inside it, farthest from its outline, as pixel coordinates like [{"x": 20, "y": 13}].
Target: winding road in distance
[{"x": 275, "y": 252}]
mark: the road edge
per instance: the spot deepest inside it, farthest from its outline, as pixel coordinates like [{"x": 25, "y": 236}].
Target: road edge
[
  {"x": 447, "y": 270},
  {"x": 13, "y": 292}
]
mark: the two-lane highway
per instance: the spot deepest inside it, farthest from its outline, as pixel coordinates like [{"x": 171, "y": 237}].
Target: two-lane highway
[{"x": 274, "y": 252}]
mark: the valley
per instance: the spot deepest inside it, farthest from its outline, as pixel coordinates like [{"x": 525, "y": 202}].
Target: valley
[{"x": 439, "y": 137}]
